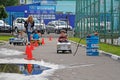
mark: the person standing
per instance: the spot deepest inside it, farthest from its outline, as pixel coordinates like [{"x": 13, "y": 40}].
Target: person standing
[{"x": 29, "y": 24}]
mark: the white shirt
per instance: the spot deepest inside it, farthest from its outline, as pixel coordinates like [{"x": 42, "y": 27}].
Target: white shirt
[{"x": 29, "y": 27}]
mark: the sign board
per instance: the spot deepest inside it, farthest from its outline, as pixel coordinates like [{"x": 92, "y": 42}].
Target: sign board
[
  {"x": 44, "y": 1},
  {"x": 92, "y": 48},
  {"x": 43, "y": 11}
]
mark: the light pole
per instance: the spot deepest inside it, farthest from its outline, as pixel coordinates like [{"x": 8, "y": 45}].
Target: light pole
[
  {"x": 67, "y": 18},
  {"x": 12, "y": 22}
]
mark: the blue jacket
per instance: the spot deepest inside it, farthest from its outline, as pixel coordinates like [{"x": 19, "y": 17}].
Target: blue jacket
[{"x": 36, "y": 36}]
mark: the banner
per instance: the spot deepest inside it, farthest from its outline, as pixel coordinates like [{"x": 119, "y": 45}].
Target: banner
[
  {"x": 43, "y": 11},
  {"x": 44, "y": 1}
]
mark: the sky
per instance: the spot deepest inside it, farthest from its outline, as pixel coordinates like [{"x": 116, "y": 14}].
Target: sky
[
  {"x": 66, "y": 6},
  {"x": 63, "y": 5}
]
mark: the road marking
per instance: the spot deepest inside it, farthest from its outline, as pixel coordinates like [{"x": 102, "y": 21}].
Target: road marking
[{"x": 86, "y": 65}]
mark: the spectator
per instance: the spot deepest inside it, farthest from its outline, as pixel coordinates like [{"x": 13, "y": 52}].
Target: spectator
[{"x": 29, "y": 24}]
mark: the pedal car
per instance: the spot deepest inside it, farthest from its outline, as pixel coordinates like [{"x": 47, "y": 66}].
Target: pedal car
[
  {"x": 38, "y": 41},
  {"x": 64, "y": 47},
  {"x": 17, "y": 41}
]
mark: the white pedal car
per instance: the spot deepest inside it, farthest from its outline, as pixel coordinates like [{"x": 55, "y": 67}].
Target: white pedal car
[
  {"x": 17, "y": 41},
  {"x": 64, "y": 47}
]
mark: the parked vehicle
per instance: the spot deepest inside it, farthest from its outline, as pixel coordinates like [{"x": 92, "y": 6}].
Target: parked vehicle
[
  {"x": 57, "y": 25},
  {"x": 39, "y": 26},
  {"x": 50, "y": 28},
  {"x": 17, "y": 41},
  {"x": 4, "y": 27},
  {"x": 18, "y": 24}
]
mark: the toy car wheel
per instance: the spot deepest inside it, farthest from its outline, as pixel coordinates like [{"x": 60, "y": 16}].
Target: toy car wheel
[
  {"x": 48, "y": 33},
  {"x": 10, "y": 43},
  {"x": 57, "y": 51},
  {"x": 14, "y": 44},
  {"x": 63, "y": 51},
  {"x": 22, "y": 44},
  {"x": 25, "y": 43},
  {"x": 70, "y": 51}
]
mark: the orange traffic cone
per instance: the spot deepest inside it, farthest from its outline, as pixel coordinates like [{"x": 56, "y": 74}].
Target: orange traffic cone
[
  {"x": 29, "y": 68},
  {"x": 43, "y": 41},
  {"x": 32, "y": 47},
  {"x": 50, "y": 38},
  {"x": 29, "y": 53},
  {"x": 36, "y": 44}
]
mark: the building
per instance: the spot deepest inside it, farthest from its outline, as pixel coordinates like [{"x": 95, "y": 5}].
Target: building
[
  {"x": 61, "y": 5},
  {"x": 43, "y": 10}
]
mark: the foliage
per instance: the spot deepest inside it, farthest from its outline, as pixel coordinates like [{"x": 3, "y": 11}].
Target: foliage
[
  {"x": 9, "y": 2},
  {"x": 77, "y": 40},
  {"x": 9, "y": 68},
  {"x": 3, "y": 13}
]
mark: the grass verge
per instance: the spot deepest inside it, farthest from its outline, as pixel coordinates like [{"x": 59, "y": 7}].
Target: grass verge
[
  {"x": 102, "y": 46},
  {"x": 5, "y": 38}
]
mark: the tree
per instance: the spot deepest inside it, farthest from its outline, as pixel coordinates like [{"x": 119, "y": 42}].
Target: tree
[
  {"x": 9, "y": 2},
  {"x": 3, "y": 13}
]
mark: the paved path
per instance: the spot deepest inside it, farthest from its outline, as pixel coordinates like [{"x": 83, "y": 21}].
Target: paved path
[{"x": 79, "y": 67}]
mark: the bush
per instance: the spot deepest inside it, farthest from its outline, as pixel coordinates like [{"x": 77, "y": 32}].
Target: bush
[{"x": 3, "y": 13}]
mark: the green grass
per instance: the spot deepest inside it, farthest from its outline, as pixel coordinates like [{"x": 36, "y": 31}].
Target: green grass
[
  {"x": 77, "y": 40},
  {"x": 102, "y": 46},
  {"x": 5, "y": 38}
]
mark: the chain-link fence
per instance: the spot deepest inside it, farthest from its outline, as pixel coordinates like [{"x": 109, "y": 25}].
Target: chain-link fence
[{"x": 102, "y": 16}]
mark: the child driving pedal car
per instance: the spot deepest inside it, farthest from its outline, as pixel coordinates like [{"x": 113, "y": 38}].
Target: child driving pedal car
[
  {"x": 63, "y": 36},
  {"x": 36, "y": 36}
]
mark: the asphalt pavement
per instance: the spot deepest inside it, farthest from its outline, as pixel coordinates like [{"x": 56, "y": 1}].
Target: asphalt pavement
[{"x": 79, "y": 67}]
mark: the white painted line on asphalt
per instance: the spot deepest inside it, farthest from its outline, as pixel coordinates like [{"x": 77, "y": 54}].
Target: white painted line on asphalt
[{"x": 86, "y": 65}]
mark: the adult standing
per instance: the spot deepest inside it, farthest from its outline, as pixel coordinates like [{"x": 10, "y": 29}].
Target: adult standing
[{"x": 29, "y": 24}]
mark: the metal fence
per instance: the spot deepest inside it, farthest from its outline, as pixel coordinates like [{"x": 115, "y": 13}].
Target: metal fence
[{"x": 102, "y": 16}]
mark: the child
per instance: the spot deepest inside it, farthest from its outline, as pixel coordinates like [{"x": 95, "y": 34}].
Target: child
[
  {"x": 63, "y": 36},
  {"x": 20, "y": 35},
  {"x": 39, "y": 33},
  {"x": 36, "y": 36}
]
